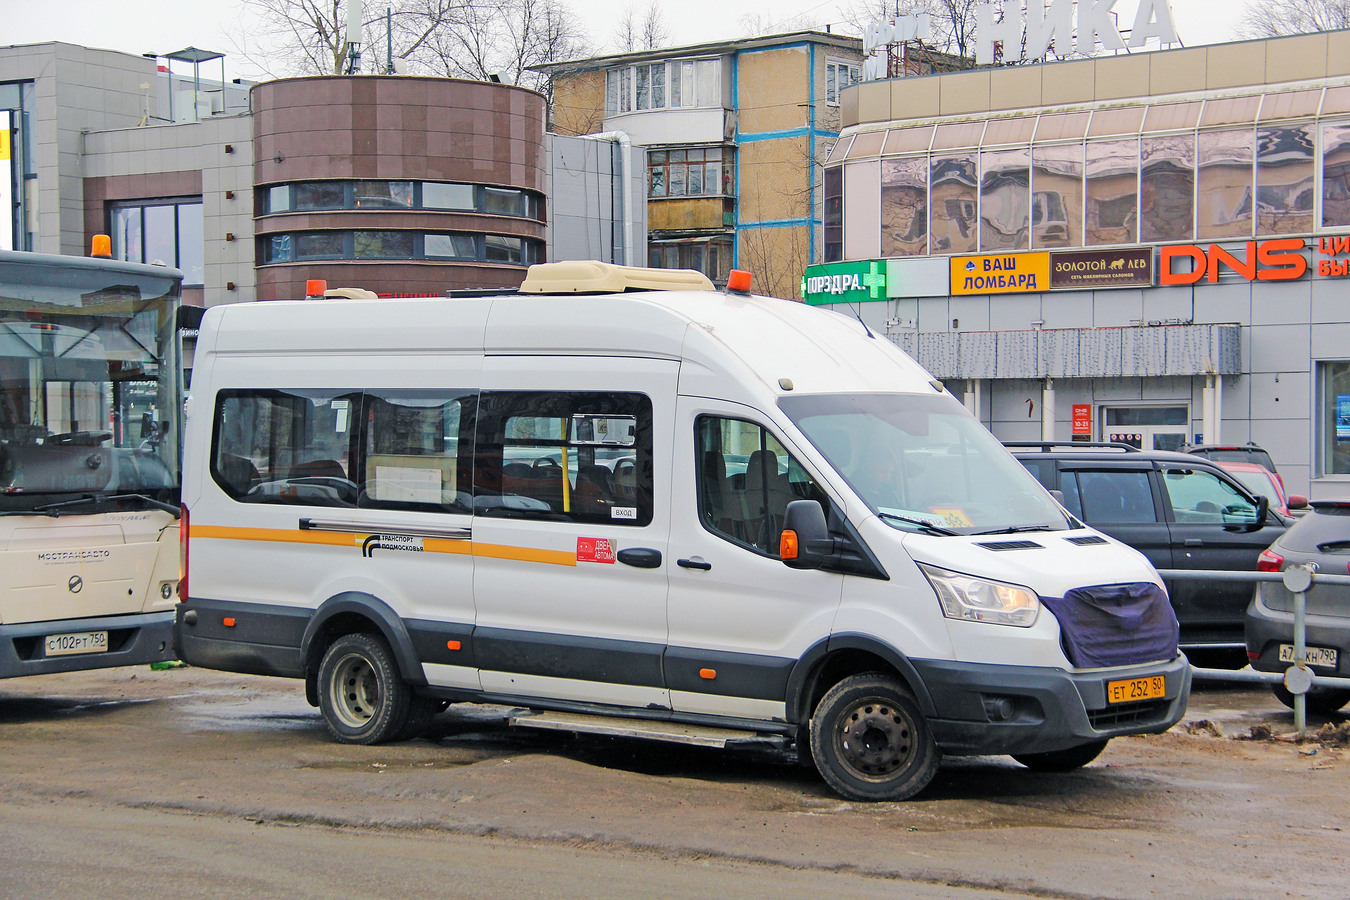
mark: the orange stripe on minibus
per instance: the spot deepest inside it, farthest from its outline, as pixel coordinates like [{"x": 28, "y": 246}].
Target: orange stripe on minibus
[
  {"x": 354, "y": 539},
  {"x": 526, "y": 554}
]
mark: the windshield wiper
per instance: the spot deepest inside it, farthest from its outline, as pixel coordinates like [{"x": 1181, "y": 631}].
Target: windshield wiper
[
  {"x": 922, "y": 523},
  {"x": 1015, "y": 529},
  {"x": 54, "y": 509}
]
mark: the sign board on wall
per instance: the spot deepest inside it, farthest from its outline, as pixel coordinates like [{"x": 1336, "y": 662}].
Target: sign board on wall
[
  {"x": 1089, "y": 269},
  {"x": 1280, "y": 259},
  {"x": 1010, "y": 273},
  {"x": 6, "y": 183},
  {"x": 1082, "y": 419},
  {"x": 846, "y": 282}
]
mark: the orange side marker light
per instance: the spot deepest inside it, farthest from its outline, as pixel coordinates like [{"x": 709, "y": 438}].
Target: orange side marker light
[
  {"x": 709, "y": 674},
  {"x": 453, "y": 645},
  {"x": 229, "y": 621},
  {"x": 787, "y": 545}
]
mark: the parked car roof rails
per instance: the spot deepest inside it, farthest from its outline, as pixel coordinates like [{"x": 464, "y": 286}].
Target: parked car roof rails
[{"x": 1048, "y": 446}]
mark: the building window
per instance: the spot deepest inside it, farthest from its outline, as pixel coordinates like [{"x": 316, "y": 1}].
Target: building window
[
  {"x": 401, "y": 195},
  {"x": 689, "y": 172},
  {"x": 1004, "y": 199},
  {"x": 1336, "y": 175},
  {"x": 1333, "y": 420},
  {"x": 461, "y": 246},
  {"x": 834, "y": 214},
  {"x": 687, "y": 84},
  {"x": 1167, "y": 188},
  {"x": 166, "y": 231},
  {"x": 1224, "y": 183},
  {"x": 955, "y": 198},
  {"x": 650, "y": 85},
  {"x": 1112, "y": 189},
  {"x": 839, "y": 75},
  {"x": 904, "y": 206},
  {"x": 712, "y": 257}
]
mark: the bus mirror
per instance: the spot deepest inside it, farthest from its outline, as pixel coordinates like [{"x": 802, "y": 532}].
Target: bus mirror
[{"x": 805, "y": 532}]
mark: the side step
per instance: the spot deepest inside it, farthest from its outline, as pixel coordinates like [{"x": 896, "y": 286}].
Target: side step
[{"x": 671, "y": 732}]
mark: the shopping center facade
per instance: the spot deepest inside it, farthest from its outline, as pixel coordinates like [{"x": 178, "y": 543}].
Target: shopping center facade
[{"x": 1149, "y": 247}]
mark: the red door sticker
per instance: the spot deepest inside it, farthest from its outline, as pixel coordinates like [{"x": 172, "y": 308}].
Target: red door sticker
[{"x": 595, "y": 550}]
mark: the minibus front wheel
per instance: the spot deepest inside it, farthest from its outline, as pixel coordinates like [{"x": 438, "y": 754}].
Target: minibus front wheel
[
  {"x": 870, "y": 741},
  {"x": 362, "y": 697}
]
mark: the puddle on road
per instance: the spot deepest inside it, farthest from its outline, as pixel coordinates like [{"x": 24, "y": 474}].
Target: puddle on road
[
  {"x": 23, "y": 710},
  {"x": 248, "y": 714}
]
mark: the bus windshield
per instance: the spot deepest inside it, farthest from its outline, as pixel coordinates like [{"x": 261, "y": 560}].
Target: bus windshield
[
  {"x": 921, "y": 462},
  {"x": 90, "y": 384}
]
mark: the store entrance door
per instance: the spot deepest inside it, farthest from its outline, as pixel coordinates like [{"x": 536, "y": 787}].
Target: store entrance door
[{"x": 1146, "y": 427}]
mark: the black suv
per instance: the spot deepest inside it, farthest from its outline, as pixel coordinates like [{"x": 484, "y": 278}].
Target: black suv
[{"x": 1179, "y": 510}]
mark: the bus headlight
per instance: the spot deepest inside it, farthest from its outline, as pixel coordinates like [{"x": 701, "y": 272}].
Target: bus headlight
[{"x": 980, "y": 600}]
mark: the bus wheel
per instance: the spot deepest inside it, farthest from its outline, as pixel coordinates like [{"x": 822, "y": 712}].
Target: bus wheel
[
  {"x": 871, "y": 742},
  {"x": 362, "y": 697}
]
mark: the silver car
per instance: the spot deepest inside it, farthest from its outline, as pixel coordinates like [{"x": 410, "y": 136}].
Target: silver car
[{"x": 1321, "y": 537}]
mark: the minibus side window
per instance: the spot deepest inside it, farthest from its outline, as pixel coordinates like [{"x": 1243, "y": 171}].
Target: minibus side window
[
  {"x": 415, "y": 451},
  {"x": 291, "y": 447},
  {"x": 746, "y": 479},
  {"x": 564, "y": 456}
]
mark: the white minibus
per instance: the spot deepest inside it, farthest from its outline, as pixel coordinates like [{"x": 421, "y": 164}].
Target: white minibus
[{"x": 622, "y": 501}]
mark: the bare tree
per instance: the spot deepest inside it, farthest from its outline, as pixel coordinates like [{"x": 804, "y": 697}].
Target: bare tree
[
  {"x": 1271, "y": 18},
  {"x": 309, "y": 37},
  {"x": 951, "y": 22},
  {"x": 456, "y": 38},
  {"x": 505, "y": 39},
  {"x": 641, "y": 30},
  {"x": 756, "y": 24},
  {"x": 777, "y": 256}
]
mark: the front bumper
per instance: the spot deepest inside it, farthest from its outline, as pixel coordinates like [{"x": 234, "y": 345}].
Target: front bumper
[
  {"x": 133, "y": 640},
  {"x": 991, "y": 710}
]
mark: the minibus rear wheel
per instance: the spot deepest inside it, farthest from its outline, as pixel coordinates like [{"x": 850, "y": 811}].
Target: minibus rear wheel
[
  {"x": 870, "y": 740},
  {"x": 362, "y": 697}
]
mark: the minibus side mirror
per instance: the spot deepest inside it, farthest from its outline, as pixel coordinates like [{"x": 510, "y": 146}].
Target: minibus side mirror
[{"x": 805, "y": 542}]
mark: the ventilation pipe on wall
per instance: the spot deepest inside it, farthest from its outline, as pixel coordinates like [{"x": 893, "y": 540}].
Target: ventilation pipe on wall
[{"x": 630, "y": 243}]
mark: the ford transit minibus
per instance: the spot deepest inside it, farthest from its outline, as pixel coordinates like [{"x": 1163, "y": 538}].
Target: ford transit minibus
[{"x": 619, "y": 500}]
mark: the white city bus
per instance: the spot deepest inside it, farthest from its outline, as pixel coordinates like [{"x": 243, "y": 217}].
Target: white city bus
[{"x": 90, "y": 424}]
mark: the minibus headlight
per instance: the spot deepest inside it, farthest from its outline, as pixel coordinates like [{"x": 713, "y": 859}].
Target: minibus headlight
[{"x": 981, "y": 600}]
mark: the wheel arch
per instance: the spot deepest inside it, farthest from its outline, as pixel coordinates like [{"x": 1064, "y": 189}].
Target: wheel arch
[
  {"x": 353, "y": 612},
  {"x": 830, "y": 661}
]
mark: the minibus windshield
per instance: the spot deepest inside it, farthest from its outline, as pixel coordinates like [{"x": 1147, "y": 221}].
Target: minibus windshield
[{"x": 922, "y": 461}]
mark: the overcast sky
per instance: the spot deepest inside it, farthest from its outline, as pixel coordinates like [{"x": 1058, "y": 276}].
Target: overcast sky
[{"x": 163, "y": 26}]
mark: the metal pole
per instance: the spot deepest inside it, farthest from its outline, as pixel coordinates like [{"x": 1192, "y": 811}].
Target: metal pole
[{"x": 1300, "y": 650}]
